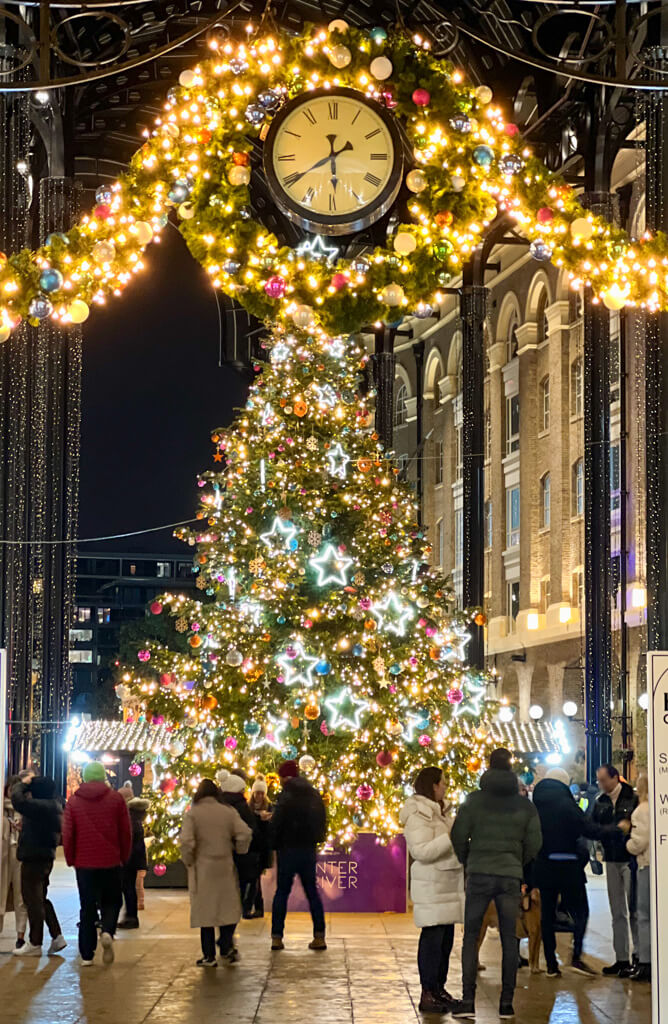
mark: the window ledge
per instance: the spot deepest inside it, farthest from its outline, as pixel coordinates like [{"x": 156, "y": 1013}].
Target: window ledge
[
  {"x": 576, "y": 416},
  {"x": 578, "y": 518},
  {"x": 543, "y": 529},
  {"x": 544, "y": 433}
]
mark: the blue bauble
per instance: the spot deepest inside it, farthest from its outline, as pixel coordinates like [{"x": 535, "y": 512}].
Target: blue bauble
[
  {"x": 395, "y": 669},
  {"x": 510, "y": 164},
  {"x": 358, "y": 650},
  {"x": 540, "y": 250},
  {"x": 56, "y": 236},
  {"x": 255, "y": 114},
  {"x": 231, "y": 266},
  {"x": 178, "y": 193},
  {"x": 483, "y": 156},
  {"x": 172, "y": 95},
  {"x": 103, "y": 194},
  {"x": 378, "y": 34},
  {"x": 270, "y": 100},
  {"x": 289, "y": 752},
  {"x": 50, "y": 280},
  {"x": 423, "y": 723},
  {"x": 252, "y": 728},
  {"x": 423, "y": 311},
  {"x": 293, "y": 544},
  {"x": 323, "y": 668},
  {"x": 40, "y": 307},
  {"x": 281, "y": 620}
]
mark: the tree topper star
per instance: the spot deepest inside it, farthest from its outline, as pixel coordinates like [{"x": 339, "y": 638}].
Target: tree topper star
[
  {"x": 283, "y": 529},
  {"x": 331, "y": 566},
  {"x": 396, "y": 617},
  {"x": 299, "y": 669},
  {"x": 338, "y": 700},
  {"x": 338, "y": 460},
  {"x": 273, "y": 734}
]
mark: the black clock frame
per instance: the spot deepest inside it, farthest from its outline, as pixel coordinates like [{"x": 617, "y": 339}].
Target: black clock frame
[{"x": 340, "y": 224}]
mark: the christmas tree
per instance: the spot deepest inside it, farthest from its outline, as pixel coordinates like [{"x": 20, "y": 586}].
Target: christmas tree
[{"x": 322, "y": 633}]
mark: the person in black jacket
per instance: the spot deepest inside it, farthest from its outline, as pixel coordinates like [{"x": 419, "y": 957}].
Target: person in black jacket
[
  {"x": 262, "y": 809},
  {"x": 137, "y": 808},
  {"x": 559, "y": 868},
  {"x": 41, "y": 825},
  {"x": 232, "y": 788},
  {"x": 616, "y": 803},
  {"x": 298, "y": 826}
]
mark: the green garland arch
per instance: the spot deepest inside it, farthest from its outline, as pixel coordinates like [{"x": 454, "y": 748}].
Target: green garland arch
[{"x": 469, "y": 165}]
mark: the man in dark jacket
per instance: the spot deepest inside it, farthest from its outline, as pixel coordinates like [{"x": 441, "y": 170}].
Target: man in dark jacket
[
  {"x": 97, "y": 842},
  {"x": 232, "y": 790},
  {"x": 495, "y": 835},
  {"x": 137, "y": 807},
  {"x": 616, "y": 803},
  {"x": 298, "y": 826},
  {"x": 559, "y": 868},
  {"x": 41, "y": 826}
]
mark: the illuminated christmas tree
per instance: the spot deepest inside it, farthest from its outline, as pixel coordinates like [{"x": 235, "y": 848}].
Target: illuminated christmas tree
[{"x": 322, "y": 633}]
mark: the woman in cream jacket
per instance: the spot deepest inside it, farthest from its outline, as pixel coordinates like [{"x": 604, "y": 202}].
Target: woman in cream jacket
[
  {"x": 638, "y": 844},
  {"x": 437, "y": 885}
]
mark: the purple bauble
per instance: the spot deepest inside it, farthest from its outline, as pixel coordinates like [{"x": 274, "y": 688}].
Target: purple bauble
[
  {"x": 275, "y": 287},
  {"x": 365, "y": 791}
]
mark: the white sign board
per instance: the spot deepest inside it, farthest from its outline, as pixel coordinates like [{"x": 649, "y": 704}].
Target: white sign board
[
  {"x": 4, "y": 745},
  {"x": 657, "y": 770}
]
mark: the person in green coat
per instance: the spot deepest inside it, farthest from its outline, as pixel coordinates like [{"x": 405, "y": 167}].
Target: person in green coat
[{"x": 495, "y": 835}]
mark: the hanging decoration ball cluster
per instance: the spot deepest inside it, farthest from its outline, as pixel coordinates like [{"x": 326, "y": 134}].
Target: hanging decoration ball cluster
[{"x": 467, "y": 165}]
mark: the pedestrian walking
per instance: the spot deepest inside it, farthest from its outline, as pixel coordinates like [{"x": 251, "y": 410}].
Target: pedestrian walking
[
  {"x": 97, "y": 840},
  {"x": 137, "y": 808},
  {"x": 262, "y": 809},
  {"x": 437, "y": 885},
  {"x": 41, "y": 824},
  {"x": 495, "y": 835},
  {"x": 616, "y": 803},
  {"x": 212, "y": 833},
  {"x": 298, "y": 826},
  {"x": 10, "y": 872},
  {"x": 232, "y": 793},
  {"x": 559, "y": 868},
  {"x": 637, "y": 844}
]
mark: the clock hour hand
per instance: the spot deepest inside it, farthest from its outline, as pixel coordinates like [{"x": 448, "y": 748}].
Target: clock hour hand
[{"x": 333, "y": 155}]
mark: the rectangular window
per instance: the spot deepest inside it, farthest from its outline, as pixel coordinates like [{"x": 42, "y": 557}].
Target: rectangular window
[
  {"x": 512, "y": 424},
  {"x": 488, "y": 436},
  {"x": 83, "y": 614},
  {"x": 577, "y": 381},
  {"x": 164, "y": 569},
  {"x": 459, "y": 453},
  {"x": 488, "y": 525},
  {"x": 577, "y": 489},
  {"x": 545, "y": 502},
  {"x": 459, "y": 538},
  {"x": 512, "y": 604},
  {"x": 440, "y": 544},
  {"x": 615, "y": 356},
  {"x": 80, "y": 657},
  {"x": 512, "y": 517},
  {"x": 545, "y": 404},
  {"x": 81, "y": 636},
  {"x": 615, "y": 477},
  {"x": 544, "y": 595},
  {"x": 104, "y": 616},
  {"x": 577, "y": 588},
  {"x": 438, "y": 469},
  {"x": 402, "y": 465}
]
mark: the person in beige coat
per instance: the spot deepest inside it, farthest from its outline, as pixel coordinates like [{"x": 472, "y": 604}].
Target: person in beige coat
[
  {"x": 638, "y": 844},
  {"x": 10, "y": 872},
  {"x": 211, "y": 834}
]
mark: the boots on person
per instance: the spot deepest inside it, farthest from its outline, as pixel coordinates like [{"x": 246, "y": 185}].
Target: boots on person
[
  {"x": 318, "y": 941},
  {"x": 433, "y": 1002}
]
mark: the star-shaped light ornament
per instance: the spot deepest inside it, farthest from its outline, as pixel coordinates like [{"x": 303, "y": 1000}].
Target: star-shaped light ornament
[
  {"x": 337, "y": 348},
  {"x": 346, "y": 709},
  {"x": 415, "y": 720},
  {"x": 268, "y": 417},
  {"x": 298, "y": 668},
  {"x": 326, "y": 395},
  {"x": 392, "y": 615},
  {"x": 271, "y": 735},
  {"x": 456, "y": 640},
  {"x": 280, "y": 352},
  {"x": 316, "y": 249},
  {"x": 338, "y": 461},
  {"x": 331, "y": 566},
  {"x": 281, "y": 537},
  {"x": 474, "y": 694}
]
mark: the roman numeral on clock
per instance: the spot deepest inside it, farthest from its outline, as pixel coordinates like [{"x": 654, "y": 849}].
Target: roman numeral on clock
[
  {"x": 378, "y": 156},
  {"x": 308, "y": 195},
  {"x": 372, "y": 134},
  {"x": 291, "y": 179},
  {"x": 372, "y": 179},
  {"x": 333, "y": 109},
  {"x": 290, "y": 156},
  {"x": 310, "y": 116},
  {"x": 332, "y": 203}
]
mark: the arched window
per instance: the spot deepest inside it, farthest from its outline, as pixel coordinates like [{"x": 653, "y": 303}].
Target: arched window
[
  {"x": 400, "y": 400},
  {"x": 511, "y": 344},
  {"x": 541, "y": 318},
  {"x": 545, "y": 501},
  {"x": 544, "y": 404}
]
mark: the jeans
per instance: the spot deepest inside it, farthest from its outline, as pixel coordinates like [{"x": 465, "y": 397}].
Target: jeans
[
  {"x": 34, "y": 887},
  {"x": 565, "y": 878},
  {"x": 98, "y": 887},
  {"x": 290, "y": 862},
  {"x": 644, "y": 948},
  {"x": 129, "y": 883},
  {"x": 618, "y": 878},
  {"x": 480, "y": 891},
  {"x": 225, "y": 941},
  {"x": 434, "y": 949}
]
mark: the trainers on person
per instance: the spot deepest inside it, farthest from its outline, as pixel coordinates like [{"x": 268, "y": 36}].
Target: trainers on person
[
  {"x": 643, "y": 972},
  {"x": 107, "y": 948},
  {"x": 231, "y": 957},
  {"x": 553, "y": 971},
  {"x": 625, "y": 971},
  {"x": 523, "y": 962},
  {"x": 277, "y": 942},
  {"x": 20, "y": 943},
  {"x": 506, "y": 1011},
  {"x": 431, "y": 1002},
  {"x": 578, "y": 965},
  {"x": 613, "y": 970},
  {"x": 318, "y": 942},
  {"x": 204, "y": 961},
  {"x": 56, "y": 945},
  {"x": 462, "y": 1008},
  {"x": 129, "y": 922},
  {"x": 84, "y": 963},
  {"x": 27, "y": 949}
]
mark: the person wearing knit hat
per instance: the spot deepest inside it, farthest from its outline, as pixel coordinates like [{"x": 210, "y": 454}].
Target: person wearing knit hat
[
  {"x": 261, "y": 808},
  {"x": 127, "y": 792},
  {"x": 559, "y": 867},
  {"x": 97, "y": 841},
  {"x": 298, "y": 826},
  {"x": 232, "y": 790}
]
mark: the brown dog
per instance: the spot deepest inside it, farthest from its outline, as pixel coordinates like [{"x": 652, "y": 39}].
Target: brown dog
[{"x": 527, "y": 926}]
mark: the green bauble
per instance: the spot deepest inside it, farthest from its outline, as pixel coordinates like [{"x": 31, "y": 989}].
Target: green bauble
[{"x": 442, "y": 250}]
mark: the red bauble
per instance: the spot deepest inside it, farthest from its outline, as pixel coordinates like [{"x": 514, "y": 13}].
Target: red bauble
[
  {"x": 383, "y": 758},
  {"x": 159, "y": 870},
  {"x": 511, "y": 129},
  {"x": 339, "y": 281},
  {"x": 156, "y": 607},
  {"x": 168, "y": 785},
  {"x": 455, "y": 695},
  {"x": 241, "y": 159},
  {"x": 545, "y": 215},
  {"x": 102, "y": 211},
  {"x": 421, "y": 98},
  {"x": 443, "y": 218},
  {"x": 166, "y": 678}
]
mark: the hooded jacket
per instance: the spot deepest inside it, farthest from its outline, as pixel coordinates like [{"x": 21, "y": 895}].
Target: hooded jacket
[
  {"x": 42, "y": 817},
  {"x": 562, "y": 822},
  {"x": 437, "y": 878},
  {"x": 96, "y": 827},
  {"x": 248, "y": 863},
  {"x": 607, "y": 813},
  {"x": 496, "y": 831},
  {"x": 299, "y": 819},
  {"x": 137, "y": 808}
]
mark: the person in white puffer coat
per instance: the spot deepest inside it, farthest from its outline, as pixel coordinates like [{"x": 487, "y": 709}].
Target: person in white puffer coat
[
  {"x": 437, "y": 885},
  {"x": 638, "y": 844}
]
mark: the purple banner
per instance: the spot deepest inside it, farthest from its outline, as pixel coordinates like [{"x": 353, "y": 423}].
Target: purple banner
[{"x": 371, "y": 879}]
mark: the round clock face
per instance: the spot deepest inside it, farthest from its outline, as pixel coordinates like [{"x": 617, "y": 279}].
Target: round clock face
[{"x": 333, "y": 161}]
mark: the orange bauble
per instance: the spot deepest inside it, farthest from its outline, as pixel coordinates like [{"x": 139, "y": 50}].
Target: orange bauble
[
  {"x": 202, "y": 559},
  {"x": 254, "y": 674},
  {"x": 209, "y": 702},
  {"x": 364, "y": 465},
  {"x": 435, "y": 653},
  {"x": 215, "y": 438},
  {"x": 294, "y": 722},
  {"x": 300, "y": 408},
  {"x": 311, "y": 712},
  {"x": 480, "y": 619},
  {"x": 195, "y": 641},
  {"x": 370, "y": 624},
  {"x": 473, "y": 764}
]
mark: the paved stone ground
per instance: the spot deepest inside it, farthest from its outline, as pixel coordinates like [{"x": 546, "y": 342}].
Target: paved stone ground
[{"x": 367, "y": 976}]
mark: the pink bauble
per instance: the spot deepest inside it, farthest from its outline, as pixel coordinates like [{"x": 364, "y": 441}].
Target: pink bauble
[
  {"x": 135, "y": 769},
  {"x": 545, "y": 215},
  {"x": 159, "y": 869},
  {"x": 230, "y": 743},
  {"x": 422, "y": 623},
  {"x": 166, "y": 678},
  {"x": 365, "y": 791},
  {"x": 424, "y": 740},
  {"x": 511, "y": 129},
  {"x": 102, "y": 211},
  {"x": 144, "y": 655},
  {"x": 365, "y": 603},
  {"x": 156, "y": 607},
  {"x": 339, "y": 281},
  {"x": 430, "y": 630},
  {"x": 275, "y": 287},
  {"x": 323, "y": 729},
  {"x": 168, "y": 785},
  {"x": 158, "y": 720},
  {"x": 455, "y": 696},
  {"x": 389, "y": 100},
  {"x": 308, "y": 623},
  {"x": 421, "y": 98},
  {"x": 383, "y": 758}
]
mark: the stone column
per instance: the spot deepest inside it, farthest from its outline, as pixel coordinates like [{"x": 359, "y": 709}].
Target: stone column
[
  {"x": 524, "y": 677},
  {"x": 527, "y": 343},
  {"x": 558, "y": 317},
  {"x": 555, "y": 675}
]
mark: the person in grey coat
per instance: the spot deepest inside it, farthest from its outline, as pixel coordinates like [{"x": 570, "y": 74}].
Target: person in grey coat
[{"x": 211, "y": 834}]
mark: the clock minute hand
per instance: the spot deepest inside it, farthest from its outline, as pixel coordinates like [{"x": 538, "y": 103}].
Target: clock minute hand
[{"x": 333, "y": 155}]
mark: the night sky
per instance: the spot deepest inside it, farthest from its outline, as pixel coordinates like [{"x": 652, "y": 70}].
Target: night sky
[{"x": 152, "y": 392}]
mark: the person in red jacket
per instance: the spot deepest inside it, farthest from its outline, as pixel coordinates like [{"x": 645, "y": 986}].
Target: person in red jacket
[{"x": 97, "y": 840}]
